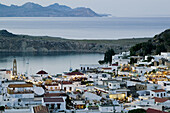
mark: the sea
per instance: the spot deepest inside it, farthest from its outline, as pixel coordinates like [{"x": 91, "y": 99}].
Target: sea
[{"x": 92, "y": 28}]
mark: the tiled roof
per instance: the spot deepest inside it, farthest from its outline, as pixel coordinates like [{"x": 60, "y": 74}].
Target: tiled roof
[
  {"x": 160, "y": 99},
  {"x": 42, "y": 72},
  {"x": 53, "y": 100},
  {"x": 19, "y": 85},
  {"x": 55, "y": 94},
  {"x": 107, "y": 68},
  {"x": 51, "y": 84},
  {"x": 158, "y": 90},
  {"x": 40, "y": 109},
  {"x": 66, "y": 82},
  {"x": 75, "y": 73},
  {"x": 150, "y": 110}
]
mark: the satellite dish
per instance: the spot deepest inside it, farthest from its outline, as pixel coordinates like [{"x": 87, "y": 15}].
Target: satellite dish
[{"x": 39, "y": 90}]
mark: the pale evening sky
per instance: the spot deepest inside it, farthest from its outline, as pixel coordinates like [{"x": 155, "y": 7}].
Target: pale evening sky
[{"x": 119, "y": 8}]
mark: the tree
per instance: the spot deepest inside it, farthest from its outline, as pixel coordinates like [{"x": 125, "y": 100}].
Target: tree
[
  {"x": 150, "y": 58},
  {"x": 133, "y": 60},
  {"x": 108, "y": 56},
  {"x": 2, "y": 108},
  {"x": 101, "y": 62},
  {"x": 68, "y": 102},
  {"x": 160, "y": 48}
]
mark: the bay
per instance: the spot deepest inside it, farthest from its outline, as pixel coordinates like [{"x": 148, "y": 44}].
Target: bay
[
  {"x": 74, "y": 28},
  {"x": 52, "y": 63},
  {"x": 86, "y": 27}
]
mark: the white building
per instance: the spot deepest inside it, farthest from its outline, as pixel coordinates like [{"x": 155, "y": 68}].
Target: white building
[
  {"x": 20, "y": 90},
  {"x": 142, "y": 70},
  {"x": 158, "y": 93},
  {"x": 54, "y": 103},
  {"x": 102, "y": 77},
  {"x": 166, "y": 86},
  {"x": 52, "y": 87},
  {"x": 110, "y": 108},
  {"x": 91, "y": 96},
  {"x": 67, "y": 86},
  {"x": 166, "y": 55},
  {"x": 85, "y": 67},
  {"x": 114, "y": 85},
  {"x": 5, "y": 74},
  {"x": 121, "y": 58}
]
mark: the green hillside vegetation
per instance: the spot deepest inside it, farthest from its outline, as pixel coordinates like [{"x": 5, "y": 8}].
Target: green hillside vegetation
[{"x": 156, "y": 45}]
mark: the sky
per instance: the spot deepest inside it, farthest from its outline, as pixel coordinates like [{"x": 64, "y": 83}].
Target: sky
[{"x": 118, "y": 8}]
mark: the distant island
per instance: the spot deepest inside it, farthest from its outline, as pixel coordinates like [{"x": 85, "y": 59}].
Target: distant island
[
  {"x": 10, "y": 42},
  {"x": 55, "y": 10}
]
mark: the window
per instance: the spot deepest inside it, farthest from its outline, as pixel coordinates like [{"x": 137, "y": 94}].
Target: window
[
  {"x": 164, "y": 84},
  {"x": 157, "y": 95},
  {"x": 58, "y": 106},
  {"x": 164, "y": 94},
  {"x": 152, "y": 94},
  {"x": 64, "y": 88},
  {"x": 47, "y": 105},
  {"x": 110, "y": 84},
  {"x": 104, "y": 75},
  {"x": 52, "y": 106},
  {"x": 70, "y": 88},
  {"x": 161, "y": 94}
]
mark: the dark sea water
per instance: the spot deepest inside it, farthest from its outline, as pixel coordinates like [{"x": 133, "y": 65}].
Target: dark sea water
[{"x": 85, "y": 27}]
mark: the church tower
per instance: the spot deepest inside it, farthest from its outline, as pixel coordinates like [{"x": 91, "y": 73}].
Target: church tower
[{"x": 14, "y": 68}]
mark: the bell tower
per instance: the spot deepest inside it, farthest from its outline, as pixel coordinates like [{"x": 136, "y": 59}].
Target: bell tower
[{"x": 14, "y": 73}]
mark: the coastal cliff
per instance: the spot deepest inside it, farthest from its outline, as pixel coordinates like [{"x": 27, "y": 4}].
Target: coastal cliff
[{"x": 10, "y": 42}]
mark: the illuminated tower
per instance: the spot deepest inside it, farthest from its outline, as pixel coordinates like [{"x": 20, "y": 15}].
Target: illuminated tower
[{"x": 14, "y": 68}]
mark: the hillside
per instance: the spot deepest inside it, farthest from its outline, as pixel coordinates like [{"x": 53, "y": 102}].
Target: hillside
[
  {"x": 35, "y": 10},
  {"x": 159, "y": 43},
  {"x": 23, "y": 43}
]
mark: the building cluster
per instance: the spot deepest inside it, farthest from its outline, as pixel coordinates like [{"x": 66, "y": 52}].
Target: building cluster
[{"x": 129, "y": 83}]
